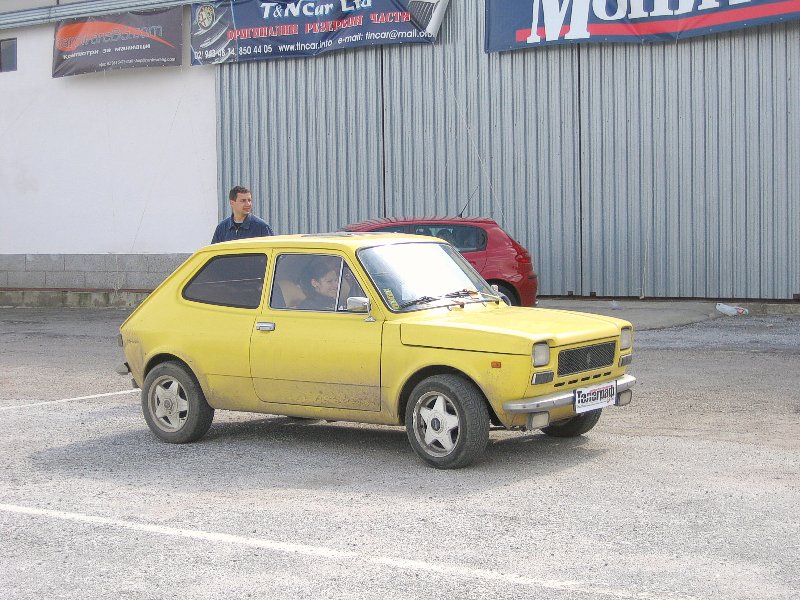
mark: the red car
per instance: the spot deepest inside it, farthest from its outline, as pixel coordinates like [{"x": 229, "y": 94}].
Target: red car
[{"x": 494, "y": 254}]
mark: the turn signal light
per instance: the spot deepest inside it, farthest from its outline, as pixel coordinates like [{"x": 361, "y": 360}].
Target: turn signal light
[
  {"x": 538, "y": 420},
  {"x": 543, "y": 377},
  {"x": 624, "y": 398}
]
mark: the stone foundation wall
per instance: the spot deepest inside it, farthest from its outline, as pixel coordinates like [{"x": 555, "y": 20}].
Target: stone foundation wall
[{"x": 82, "y": 279}]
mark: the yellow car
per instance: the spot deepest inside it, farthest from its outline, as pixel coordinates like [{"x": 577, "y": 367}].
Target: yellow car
[{"x": 368, "y": 327}]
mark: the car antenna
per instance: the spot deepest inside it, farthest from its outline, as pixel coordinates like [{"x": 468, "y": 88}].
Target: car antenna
[{"x": 461, "y": 214}]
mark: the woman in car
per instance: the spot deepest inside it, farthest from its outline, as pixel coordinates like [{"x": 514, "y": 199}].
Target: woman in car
[{"x": 321, "y": 285}]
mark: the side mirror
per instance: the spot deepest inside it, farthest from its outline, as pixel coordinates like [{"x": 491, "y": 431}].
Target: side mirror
[
  {"x": 358, "y": 304},
  {"x": 501, "y": 295}
]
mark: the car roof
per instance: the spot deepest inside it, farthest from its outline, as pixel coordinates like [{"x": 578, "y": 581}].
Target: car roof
[
  {"x": 388, "y": 221},
  {"x": 338, "y": 239}
]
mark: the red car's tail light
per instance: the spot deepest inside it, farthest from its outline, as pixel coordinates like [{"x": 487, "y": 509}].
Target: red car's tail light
[{"x": 523, "y": 256}]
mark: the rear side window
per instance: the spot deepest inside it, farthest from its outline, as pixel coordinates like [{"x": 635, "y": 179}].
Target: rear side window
[
  {"x": 465, "y": 238},
  {"x": 233, "y": 280},
  {"x": 468, "y": 239}
]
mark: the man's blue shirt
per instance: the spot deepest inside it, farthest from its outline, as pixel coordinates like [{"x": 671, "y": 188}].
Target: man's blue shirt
[{"x": 252, "y": 226}]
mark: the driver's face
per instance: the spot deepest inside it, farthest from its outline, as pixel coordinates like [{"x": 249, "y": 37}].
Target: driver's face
[{"x": 327, "y": 285}]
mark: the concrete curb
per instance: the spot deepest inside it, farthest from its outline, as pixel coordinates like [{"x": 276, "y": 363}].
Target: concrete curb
[
  {"x": 772, "y": 308},
  {"x": 659, "y": 314},
  {"x": 71, "y": 298},
  {"x": 644, "y": 314}
]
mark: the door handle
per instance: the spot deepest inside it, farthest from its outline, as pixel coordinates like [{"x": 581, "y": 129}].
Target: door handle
[{"x": 265, "y": 326}]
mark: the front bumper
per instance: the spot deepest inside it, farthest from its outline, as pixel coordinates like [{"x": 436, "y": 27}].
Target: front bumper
[
  {"x": 559, "y": 399},
  {"x": 125, "y": 369}
]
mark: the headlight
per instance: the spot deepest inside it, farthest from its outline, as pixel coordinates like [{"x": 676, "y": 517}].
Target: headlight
[
  {"x": 541, "y": 354},
  {"x": 625, "y": 338}
]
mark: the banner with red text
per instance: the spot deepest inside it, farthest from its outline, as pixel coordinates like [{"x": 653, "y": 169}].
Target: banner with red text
[
  {"x": 516, "y": 24},
  {"x": 118, "y": 41},
  {"x": 242, "y": 30}
]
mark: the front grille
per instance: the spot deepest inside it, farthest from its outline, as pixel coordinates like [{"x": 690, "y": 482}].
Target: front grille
[
  {"x": 586, "y": 358},
  {"x": 421, "y": 12}
]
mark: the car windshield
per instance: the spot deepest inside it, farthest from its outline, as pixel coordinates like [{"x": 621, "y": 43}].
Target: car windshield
[{"x": 422, "y": 275}]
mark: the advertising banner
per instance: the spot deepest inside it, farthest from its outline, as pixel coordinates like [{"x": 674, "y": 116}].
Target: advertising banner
[
  {"x": 118, "y": 41},
  {"x": 241, "y": 30},
  {"x": 516, "y": 24}
]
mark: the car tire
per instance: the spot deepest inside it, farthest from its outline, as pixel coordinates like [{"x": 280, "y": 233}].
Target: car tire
[
  {"x": 577, "y": 425},
  {"x": 509, "y": 293},
  {"x": 447, "y": 422},
  {"x": 174, "y": 405}
]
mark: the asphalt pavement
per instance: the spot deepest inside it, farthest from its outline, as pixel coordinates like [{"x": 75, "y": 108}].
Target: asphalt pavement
[{"x": 690, "y": 492}]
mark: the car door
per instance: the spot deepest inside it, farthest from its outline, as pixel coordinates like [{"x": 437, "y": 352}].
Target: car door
[
  {"x": 218, "y": 308},
  {"x": 306, "y": 353}
]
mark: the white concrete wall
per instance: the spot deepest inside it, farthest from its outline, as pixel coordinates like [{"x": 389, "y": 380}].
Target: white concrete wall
[{"x": 114, "y": 162}]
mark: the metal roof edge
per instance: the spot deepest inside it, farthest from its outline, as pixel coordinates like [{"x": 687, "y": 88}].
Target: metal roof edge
[
  {"x": 420, "y": 220},
  {"x": 40, "y": 16}
]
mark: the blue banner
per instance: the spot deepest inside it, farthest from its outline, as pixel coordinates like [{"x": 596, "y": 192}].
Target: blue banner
[
  {"x": 241, "y": 30},
  {"x": 516, "y": 24}
]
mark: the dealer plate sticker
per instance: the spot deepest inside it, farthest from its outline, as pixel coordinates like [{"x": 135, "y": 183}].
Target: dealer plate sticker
[{"x": 595, "y": 396}]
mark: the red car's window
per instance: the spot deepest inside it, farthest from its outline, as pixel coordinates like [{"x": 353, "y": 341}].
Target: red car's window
[
  {"x": 394, "y": 229},
  {"x": 464, "y": 237},
  {"x": 468, "y": 239}
]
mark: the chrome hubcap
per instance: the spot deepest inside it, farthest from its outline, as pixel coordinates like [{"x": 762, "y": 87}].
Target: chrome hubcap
[
  {"x": 168, "y": 404},
  {"x": 436, "y": 424}
]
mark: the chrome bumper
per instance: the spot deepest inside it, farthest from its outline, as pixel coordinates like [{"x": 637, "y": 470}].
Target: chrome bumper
[{"x": 557, "y": 399}]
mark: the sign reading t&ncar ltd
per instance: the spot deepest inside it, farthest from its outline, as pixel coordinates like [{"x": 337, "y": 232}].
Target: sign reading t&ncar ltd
[{"x": 246, "y": 30}]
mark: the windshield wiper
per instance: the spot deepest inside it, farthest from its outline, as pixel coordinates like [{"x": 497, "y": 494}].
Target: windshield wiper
[
  {"x": 455, "y": 296},
  {"x": 420, "y": 300},
  {"x": 465, "y": 293},
  {"x": 462, "y": 293}
]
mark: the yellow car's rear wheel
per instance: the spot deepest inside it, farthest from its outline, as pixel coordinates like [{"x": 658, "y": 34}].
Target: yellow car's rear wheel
[{"x": 174, "y": 405}]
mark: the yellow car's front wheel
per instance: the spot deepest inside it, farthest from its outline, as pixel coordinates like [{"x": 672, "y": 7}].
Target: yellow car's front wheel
[{"x": 447, "y": 422}]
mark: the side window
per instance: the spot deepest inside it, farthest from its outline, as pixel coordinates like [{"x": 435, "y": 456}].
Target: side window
[
  {"x": 394, "y": 229},
  {"x": 444, "y": 233},
  {"x": 469, "y": 239},
  {"x": 421, "y": 229},
  {"x": 233, "y": 280},
  {"x": 318, "y": 282},
  {"x": 350, "y": 288}
]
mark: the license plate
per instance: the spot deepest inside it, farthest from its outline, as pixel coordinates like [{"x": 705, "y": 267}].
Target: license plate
[{"x": 595, "y": 396}]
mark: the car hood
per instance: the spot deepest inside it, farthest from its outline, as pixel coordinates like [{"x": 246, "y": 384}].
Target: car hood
[{"x": 505, "y": 330}]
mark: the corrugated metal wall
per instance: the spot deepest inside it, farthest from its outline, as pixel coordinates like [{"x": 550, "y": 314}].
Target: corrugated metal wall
[
  {"x": 306, "y": 137},
  {"x": 663, "y": 170},
  {"x": 500, "y": 130},
  {"x": 689, "y": 176}
]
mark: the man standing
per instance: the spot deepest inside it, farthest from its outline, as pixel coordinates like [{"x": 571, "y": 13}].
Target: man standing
[{"x": 241, "y": 224}]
